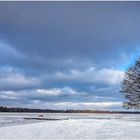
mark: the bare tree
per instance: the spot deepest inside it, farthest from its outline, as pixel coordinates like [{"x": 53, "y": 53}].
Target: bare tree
[{"x": 131, "y": 87}]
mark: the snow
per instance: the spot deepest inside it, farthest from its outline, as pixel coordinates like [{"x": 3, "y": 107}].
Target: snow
[{"x": 79, "y": 126}]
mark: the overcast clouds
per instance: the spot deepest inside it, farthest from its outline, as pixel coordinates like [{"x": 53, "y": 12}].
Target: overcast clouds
[{"x": 66, "y": 55}]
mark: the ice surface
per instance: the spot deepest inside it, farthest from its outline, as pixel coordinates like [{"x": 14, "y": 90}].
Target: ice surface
[{"x": 79, "y": 126}]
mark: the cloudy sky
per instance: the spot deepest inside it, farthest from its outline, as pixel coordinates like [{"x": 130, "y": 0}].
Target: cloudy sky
[{"x": 66, "y": 55}]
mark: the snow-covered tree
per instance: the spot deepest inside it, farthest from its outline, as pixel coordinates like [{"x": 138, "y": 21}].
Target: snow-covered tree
[{"x": 131, "y": 86}]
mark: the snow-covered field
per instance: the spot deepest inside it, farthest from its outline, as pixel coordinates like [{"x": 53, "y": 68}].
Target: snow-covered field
[{"x": 78, "y": 126}]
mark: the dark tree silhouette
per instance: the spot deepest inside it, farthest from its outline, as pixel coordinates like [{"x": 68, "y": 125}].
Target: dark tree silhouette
[{"x": 131, "y": 86}]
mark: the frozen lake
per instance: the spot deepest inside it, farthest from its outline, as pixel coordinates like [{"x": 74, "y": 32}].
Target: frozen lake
[{"x": 83, "y": 126}]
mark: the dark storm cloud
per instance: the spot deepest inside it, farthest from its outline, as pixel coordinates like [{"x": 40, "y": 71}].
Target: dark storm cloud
[{"x": 57, "y": 30}]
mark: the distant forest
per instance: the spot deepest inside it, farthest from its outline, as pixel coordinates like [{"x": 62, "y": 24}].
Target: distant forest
[{"x": 17, "y": 109}]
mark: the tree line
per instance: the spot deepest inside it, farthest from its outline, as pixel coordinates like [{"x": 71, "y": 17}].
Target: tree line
[{"x": 29, "y": 110}]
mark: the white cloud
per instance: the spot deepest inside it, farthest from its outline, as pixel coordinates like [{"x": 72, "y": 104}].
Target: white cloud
[
  {"x": 91, "y": 75},
  {"x": 12, "y": 79},
  {"x": 76, "y": 105},
  {"x": 58, "y": 91},
  {"x": 84, "y": 105},
  {"x": 40, "y": 98},
  {"x": 39, "y": 93},
  {"x": 15, "y": 81}
]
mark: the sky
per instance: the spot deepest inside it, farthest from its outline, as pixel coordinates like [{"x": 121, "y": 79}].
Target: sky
[{"x": 66, "y": 55}]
